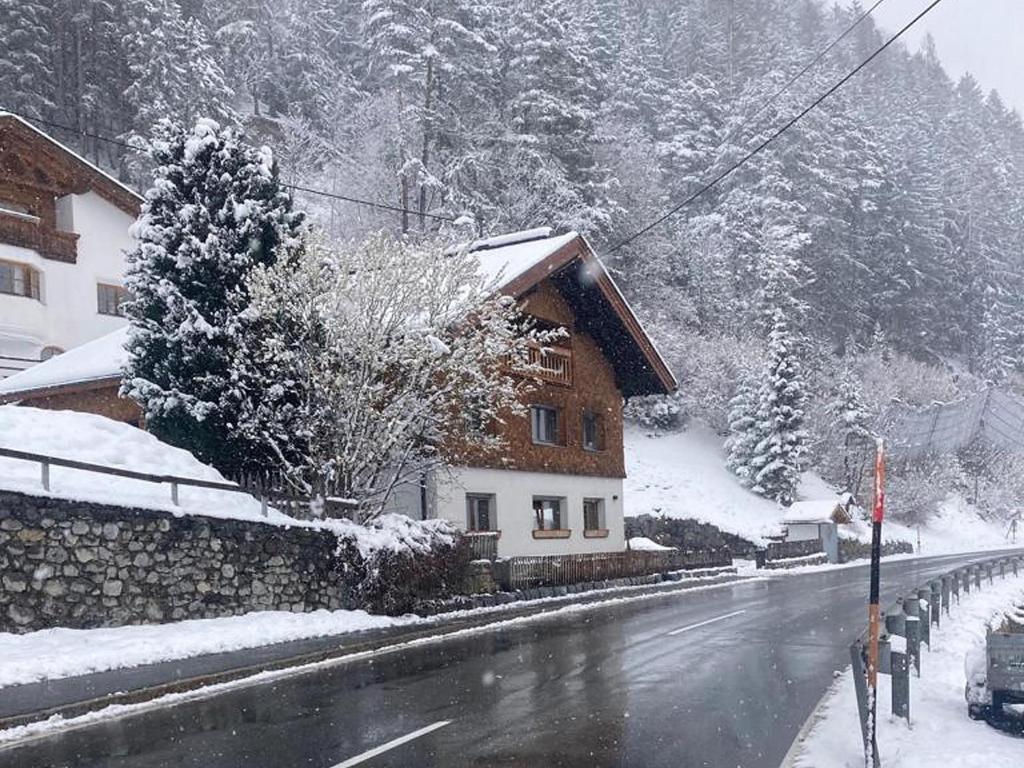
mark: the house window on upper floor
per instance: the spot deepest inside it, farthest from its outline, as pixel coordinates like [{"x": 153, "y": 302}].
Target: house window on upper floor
[
  {"x": 544, "y": 424},
  {"x": 110, "y": 299},
  {"x": 19, "y": 279},
  {"x": 480, "y": 512},
  {"x": 591, "y": 431},
  {"x": 548, "y": 513}
]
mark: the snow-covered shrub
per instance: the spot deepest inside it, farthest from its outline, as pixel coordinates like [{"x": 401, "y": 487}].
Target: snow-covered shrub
[
  {"x": 394, "y": 564},
  {"x": 894, "y": 376},
  {"x": 657, "y": 411},
  {"x": 914, "y": 492},
  {"x": 709, "y": 370}
]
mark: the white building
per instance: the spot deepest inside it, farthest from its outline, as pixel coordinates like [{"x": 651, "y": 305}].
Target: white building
[{"x": 64, "y": 231}]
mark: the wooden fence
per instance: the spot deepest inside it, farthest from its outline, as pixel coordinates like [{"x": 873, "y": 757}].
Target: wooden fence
[
  {"x": 483, "y": 544},
  {"x": 562, "y": 570}
]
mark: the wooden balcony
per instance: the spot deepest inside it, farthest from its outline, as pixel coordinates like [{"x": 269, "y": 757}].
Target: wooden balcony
[
  {"x": 552, "y": 364},
  {"x": 27, "y": 231}
]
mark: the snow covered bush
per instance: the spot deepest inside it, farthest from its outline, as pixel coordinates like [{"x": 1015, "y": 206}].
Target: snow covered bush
[
  {"x": 393, "y": 565},
  {"x": 215, "y": 211},
  {"x": 657, "y": 411},
  {"x": 914, "y": 492},
  {"x": 708, "y": 369},
  {"x": 375, "y": 364}
]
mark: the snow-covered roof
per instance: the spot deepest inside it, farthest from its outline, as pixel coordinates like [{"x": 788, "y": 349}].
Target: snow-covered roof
[
  {"x": 814, "y": 511},
  {"x": 96, "y": 360},
  {"x": 67, "y": 150},
  {"x": 506, "y": 257}
]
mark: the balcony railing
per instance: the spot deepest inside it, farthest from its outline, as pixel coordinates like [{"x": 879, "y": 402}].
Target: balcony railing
[
  {"x": 28, "y": 232},
  {"x": 552, "y": 364}
]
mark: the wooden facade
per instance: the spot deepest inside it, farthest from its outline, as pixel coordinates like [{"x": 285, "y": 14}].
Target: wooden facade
[
  {"x": 35, "y": 171},
  {"x": 591, "y": 387}
]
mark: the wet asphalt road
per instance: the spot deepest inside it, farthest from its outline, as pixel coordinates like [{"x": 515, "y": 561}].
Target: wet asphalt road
[{"x": 721, "y": 677}]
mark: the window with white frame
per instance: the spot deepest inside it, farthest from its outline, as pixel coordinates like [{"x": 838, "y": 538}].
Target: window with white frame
[
  {"x": 19, "y": 279},
  {"x": 548, "y": 513},
  {"x": 593, "y": 515},
  {"x": 110, "y": 299},
  {"x": 480, "y": 512},
  {"x": 544, "y": 424}
]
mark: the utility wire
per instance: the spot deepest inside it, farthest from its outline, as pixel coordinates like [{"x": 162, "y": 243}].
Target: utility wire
[
  {"x": 296, "y": 187},
  {"x": 772, "y": 138}
]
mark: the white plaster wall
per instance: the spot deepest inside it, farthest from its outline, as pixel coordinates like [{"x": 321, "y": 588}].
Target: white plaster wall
[
  {"x": 66, "y": 315},
  {"x": 514, "y": 492}
]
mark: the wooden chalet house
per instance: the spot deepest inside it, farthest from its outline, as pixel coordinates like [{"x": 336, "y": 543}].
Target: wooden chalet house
[{"x": 557, "y": 488}]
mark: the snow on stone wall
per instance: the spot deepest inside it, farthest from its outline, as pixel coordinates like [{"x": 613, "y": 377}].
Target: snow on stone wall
[{"x": 81, "y": 565}]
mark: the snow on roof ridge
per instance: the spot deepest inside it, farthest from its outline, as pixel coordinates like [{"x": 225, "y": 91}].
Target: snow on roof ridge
[
  {"x": 511, "y": 238},
  {"x": 66, "y": 148}
]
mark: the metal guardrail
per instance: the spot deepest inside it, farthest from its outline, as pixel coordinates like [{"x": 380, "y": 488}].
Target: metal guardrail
[
  {"x": 907, "y": 624},
  {"x": 174, "y": 481}
]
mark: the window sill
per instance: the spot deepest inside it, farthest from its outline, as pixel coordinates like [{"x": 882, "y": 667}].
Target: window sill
[
  {"x": 596, "y": 533},
  {"x": 558, "y": 533},
  {"x": 543, "y": 444},
  {"x": 495, "y": 534}
]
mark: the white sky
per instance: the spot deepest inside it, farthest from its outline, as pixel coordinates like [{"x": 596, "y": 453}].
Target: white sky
[{"x": 983, "y": 37}]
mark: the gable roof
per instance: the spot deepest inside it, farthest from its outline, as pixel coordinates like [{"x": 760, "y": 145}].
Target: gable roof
[
  {"x": 519, "y": 261},
  {"x": 818, "y": 511},
  {"x": 83, "y": 175},
  {"x": 514, "y": 263},
  {"x": 94, "y": 364}
]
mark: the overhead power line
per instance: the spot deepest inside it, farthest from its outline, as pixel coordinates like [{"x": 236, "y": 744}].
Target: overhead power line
[
  {"x": 296, "y": 187},
  {"x": 774, "y": 136}
]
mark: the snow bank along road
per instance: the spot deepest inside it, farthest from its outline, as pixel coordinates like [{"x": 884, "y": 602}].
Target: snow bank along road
[{"x": 721, "y": 677}]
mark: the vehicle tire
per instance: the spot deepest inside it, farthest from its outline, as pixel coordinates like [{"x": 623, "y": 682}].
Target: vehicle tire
[
  {"x": 976, "y": 711},
  {"x": 998, "y": 699}
]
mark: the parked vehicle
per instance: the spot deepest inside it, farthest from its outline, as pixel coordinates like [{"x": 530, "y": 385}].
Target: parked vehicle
[{"x": 996, "y": 677}]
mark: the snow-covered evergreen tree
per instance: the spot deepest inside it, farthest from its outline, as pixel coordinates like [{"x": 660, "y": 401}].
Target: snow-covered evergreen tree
[
  {"x": 215, "y": 212},
  {"x": 849, "y": 441},
  {"x": 744, "y": 432},
  {"x": 173, "y": 74},
  {"x": 26, "y": 65},
  {"x": 777, "y": 459}
]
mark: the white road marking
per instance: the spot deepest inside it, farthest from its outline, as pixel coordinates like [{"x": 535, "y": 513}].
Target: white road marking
[
  {"x": 705, "y": 623},
  {"x": 392, "y": 744}
]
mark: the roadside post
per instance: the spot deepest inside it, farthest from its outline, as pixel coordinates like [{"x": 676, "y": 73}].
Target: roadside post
[{"x": 874, "y": 615}]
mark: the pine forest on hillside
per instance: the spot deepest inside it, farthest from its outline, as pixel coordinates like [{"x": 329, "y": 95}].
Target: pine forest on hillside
[{"x": 875, "y": 251}]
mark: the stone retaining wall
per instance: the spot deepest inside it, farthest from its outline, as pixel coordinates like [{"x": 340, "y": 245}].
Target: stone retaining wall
[{"x": 76, "y": 564}]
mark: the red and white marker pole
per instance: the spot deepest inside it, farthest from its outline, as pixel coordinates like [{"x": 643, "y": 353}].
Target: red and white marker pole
[{"x": 874, "y": 614}]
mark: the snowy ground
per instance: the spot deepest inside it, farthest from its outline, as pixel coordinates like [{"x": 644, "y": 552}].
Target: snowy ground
[
  {"x": 60, "y": 652},
  {"x": 683, "y": 475},
  {"x": 941, "y": 734},
  {"x": 98, "y": 440}
]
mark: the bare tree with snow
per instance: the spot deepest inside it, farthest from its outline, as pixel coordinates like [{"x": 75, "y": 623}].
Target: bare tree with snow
[{"x": 377, "y": 363}]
